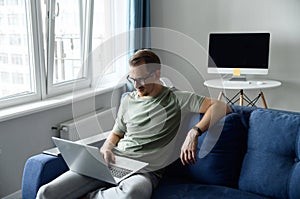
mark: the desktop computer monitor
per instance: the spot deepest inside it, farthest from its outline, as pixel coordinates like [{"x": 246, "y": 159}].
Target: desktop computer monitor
[{"x": 246, "y": 52}]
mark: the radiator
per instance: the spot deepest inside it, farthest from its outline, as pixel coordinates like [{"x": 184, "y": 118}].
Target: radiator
[{"x": 88, "y": 125}]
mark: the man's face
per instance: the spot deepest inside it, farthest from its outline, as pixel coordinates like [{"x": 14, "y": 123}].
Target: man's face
[{"x": 143, "y": 80}]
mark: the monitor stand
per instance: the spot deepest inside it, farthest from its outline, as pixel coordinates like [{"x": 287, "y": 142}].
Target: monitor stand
[{"x": 238, "y": 78}]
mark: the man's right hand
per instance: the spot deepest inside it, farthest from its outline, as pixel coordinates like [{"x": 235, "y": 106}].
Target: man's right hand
[{"x": 106, "y": 151}]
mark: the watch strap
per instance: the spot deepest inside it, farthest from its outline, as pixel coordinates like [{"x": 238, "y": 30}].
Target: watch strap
[{"x": 198, "y": 130}]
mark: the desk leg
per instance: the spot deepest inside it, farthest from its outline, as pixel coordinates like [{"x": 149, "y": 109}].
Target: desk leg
[
  {"x": 263, "y": 99},
  {"x": 220, "y": 95},
  {"x": 241, "y": 97}
]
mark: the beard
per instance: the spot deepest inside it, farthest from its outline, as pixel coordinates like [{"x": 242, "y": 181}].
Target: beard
[
  {"x": 146, "y": 90},
  {"x": 142, "y": 91}
]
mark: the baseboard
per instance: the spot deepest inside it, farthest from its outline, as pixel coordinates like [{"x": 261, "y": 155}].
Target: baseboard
[{"x": 16, "y": 195}]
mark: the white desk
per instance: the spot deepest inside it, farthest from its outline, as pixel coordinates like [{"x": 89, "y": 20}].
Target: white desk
[{"x": 241, "y": 86}]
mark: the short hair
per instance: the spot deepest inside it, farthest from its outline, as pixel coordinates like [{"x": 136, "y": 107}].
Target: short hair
[{"x": 151, "y": 60}]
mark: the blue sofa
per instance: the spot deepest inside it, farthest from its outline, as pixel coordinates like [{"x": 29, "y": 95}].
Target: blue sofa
[{"x": 255, "y": 156}]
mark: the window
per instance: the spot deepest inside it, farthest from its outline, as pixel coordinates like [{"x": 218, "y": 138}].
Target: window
[
  {"x": 63, "y": 34},
  {"x": 17, "y": 59},
  {"x": 13, "y": 2},
  {"x": 76, "y": 28},
  {"x": 15, "y": 40},
  {"x": 3, "y": 58},
  {"x": 18, "y": 31},
  {"x": 45, "y": 45},
  {"x": 2, "y": 18},
  {"x": 17, "y": 78},
  {"x": 5, "y": 78},
  {"x": 14, "y": 19}
]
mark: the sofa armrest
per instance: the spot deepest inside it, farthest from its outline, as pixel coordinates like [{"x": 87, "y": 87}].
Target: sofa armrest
[{"x": 39, "y": 170}]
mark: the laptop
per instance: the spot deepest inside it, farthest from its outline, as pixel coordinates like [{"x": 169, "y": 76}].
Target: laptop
[{"x": 87, "y": 160}]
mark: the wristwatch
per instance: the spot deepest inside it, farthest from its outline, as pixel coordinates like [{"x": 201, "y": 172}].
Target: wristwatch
[{"x": 198, "y": 130}]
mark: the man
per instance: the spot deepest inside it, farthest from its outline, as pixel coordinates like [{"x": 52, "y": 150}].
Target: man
[{"x": 146, "y": 129}]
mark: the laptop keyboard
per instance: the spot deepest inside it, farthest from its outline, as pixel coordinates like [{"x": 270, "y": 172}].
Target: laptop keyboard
[{"x": 118, "y": 172}]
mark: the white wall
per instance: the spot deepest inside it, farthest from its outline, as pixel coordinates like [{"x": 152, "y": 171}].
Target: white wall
[{"x": 196, "y": 18}]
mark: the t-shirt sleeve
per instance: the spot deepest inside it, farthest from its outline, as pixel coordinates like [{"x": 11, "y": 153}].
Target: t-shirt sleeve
[
  {"x": 120, "y": 126},
  {"x": 189, "y": 101}
]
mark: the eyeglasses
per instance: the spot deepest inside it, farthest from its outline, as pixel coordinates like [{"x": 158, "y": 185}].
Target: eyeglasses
[{"x": 140, "y": 81}]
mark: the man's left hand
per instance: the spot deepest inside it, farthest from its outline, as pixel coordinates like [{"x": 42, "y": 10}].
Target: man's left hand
[{"x": 188, "y": 149}]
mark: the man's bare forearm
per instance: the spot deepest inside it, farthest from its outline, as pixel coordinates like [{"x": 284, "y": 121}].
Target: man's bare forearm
[
  {"x": 214, "y": 112},
  {"x": 114, "y": 138}
]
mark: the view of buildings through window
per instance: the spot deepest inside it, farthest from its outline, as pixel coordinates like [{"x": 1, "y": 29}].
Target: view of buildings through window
[
  {"x": 16, "y": 70},
  {"x": 69, "y": 15}
]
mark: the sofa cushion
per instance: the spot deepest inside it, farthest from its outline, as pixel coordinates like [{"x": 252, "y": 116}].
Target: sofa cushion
[
  {"x": 195, "y": 191},
  {"x": 221, "y": 166},
  {"x": 271, "y": 164}
]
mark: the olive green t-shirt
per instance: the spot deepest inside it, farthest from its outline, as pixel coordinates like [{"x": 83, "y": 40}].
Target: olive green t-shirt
[{"x": 150, "y": 123}]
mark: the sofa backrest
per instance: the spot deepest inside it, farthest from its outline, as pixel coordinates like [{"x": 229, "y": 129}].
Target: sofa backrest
[
  {"x": 244, "y": 112},
  {"x": 271, "y": 164}
]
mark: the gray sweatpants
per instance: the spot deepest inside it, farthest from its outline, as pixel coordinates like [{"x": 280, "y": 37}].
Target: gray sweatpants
[{"x": 71, "y": 185}]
